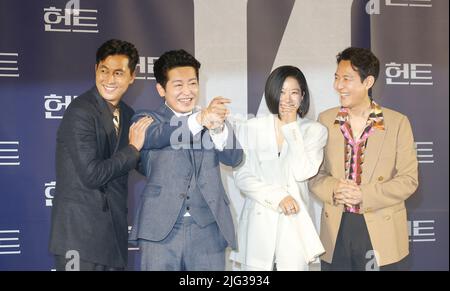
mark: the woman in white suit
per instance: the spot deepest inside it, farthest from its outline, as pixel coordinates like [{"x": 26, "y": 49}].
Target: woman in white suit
[{"x": 282, "y": 151}]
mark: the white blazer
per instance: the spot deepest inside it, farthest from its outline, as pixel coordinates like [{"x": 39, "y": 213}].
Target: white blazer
[{"x": 265, "y": 179}]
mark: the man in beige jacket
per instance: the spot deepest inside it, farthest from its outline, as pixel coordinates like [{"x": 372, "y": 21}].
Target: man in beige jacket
[{"x": 369, "y": 170}]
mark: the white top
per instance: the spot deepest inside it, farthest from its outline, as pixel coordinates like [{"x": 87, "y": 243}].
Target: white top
[{"x": 265, "y": 178}]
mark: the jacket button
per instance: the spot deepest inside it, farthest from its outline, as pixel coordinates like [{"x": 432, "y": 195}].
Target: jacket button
[
  {"x": 326, "y": 214},
  {"x": 387, "y": 217},
  {"x": 188, "y": 208},
  {"x": 380, "y": 178},
  {"x": 188, "y": 197}
]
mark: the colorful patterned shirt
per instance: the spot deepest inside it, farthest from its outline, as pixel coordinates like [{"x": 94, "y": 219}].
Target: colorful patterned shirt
[{"x": 354, "y": 148}]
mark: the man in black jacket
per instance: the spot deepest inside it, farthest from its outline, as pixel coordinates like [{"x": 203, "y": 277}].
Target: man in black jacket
[{"x": 95, "y": 149}]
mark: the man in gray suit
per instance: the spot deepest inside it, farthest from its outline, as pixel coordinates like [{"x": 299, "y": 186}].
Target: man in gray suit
[{"x": 183, "y": 221}]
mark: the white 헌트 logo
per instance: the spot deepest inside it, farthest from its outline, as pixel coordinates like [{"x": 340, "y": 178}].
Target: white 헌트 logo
[
  {"x": 131, "y": 248},
  {"x": 8, "y": 65},
  {"x": 55, "y": 105},
  {"x": 409, "y": 3},
  {"x": 75, "y": 19},
  {"x": 9, "y": 242},
  {"x": 48, "y": 192},
  {"x": 424, "y": 151},
  {"x": 9, "y": 153},
  {"x": 373, "y": 6},
  {"x": 421, "y": 231},
  {"x": 409, "y": 74},
  {"x": 144, "y": 69}
]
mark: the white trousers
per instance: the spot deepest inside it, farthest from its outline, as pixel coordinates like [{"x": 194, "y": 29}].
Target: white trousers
[{"x": 288, "y": 253}]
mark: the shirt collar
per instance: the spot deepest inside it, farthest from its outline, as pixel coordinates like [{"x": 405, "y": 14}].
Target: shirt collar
[
  {"x": 178, "y": 114},
  {"x": 111, "y": 107},
  {"x": 375, "y": 116}
]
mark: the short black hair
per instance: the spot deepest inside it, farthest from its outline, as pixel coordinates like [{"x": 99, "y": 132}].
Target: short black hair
[
  {"x": 362, "y": 60},
  {"x": 170, "y": 60},
  {"x": 274, "y": 85},
  {"x": 118, "y": 47}
]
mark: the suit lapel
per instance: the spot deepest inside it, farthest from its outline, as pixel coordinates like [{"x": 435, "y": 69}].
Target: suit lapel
[
  {"x": 198, "y": 154},
  {"x": 123, "y": 136},
  {"x": 371, "y": 154},
  {"x": 336, "y": 147},
  {"x": 106, "y": 118}
]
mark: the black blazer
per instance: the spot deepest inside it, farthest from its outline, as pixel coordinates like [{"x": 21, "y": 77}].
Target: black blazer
[{"x": 89, "y": 211}]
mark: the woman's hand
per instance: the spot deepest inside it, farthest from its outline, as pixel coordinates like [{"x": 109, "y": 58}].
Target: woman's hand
[
  {"x": 289, "y": 205},
  {"x": 288, "y": 112}
]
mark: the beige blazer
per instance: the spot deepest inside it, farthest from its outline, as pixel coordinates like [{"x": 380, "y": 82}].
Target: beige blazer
[{"x": 389, "y": 177}]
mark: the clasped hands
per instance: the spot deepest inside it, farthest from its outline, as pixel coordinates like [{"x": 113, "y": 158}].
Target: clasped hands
[{"x": 347, "y": 192}]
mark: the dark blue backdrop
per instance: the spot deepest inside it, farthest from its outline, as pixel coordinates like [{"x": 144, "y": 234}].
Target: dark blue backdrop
[{"x": 47, "y": 58}]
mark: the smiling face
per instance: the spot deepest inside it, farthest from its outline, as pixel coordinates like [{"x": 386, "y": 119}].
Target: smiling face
[
  {"x": 181, "y": 90},
  {"x": 352, "y": 92},
  {"x": 291, "y": 92},
  {"x": 112, "y": 78}
]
